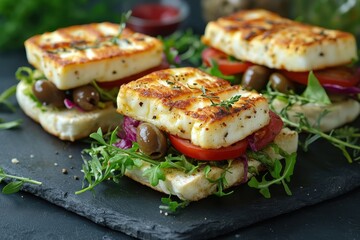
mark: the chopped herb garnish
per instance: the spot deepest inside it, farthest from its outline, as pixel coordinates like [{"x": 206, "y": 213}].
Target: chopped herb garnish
[
  {"x": 227, "y": 104},
  {"x": 124, "y": 18}
]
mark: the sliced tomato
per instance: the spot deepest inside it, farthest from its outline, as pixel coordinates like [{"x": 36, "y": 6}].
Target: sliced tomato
[
  {"x": 226, "y": 66},
  {"x": 188, "y": 149},
  {"x": 341, "y": 76},
  {"x": 117, "y": 83},
  {"x": 266, "y": 135}
]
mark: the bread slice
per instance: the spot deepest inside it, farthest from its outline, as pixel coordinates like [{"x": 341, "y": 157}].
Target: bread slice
[
  {"x": 181, "y": 102},
  {"x": 193, "y": 187},
  {"x": 67, "y": 124},
  {"x": 339, "y": 112},
  {"x": 265, "y": 38},
  {"x": 77, "y": 55}
]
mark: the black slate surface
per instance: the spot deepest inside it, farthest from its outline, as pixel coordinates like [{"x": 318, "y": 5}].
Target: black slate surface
[{"x": 320, "y": 174}]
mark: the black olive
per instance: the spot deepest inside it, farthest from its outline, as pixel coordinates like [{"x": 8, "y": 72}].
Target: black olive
[
  {"x": 255, "y": 77},
  {"x": 280, "y": 83},
  {"x": 86, "y": 97},
  {"x": 47, "y": 93},
  {"x": 152, "y": 142}
]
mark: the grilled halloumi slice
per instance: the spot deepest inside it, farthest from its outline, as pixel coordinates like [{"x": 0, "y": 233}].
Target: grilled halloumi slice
[
  {"x": 267, "y": 39},
  {"x": 77, "y": 55},
  {"x": 185, "y": 102}
]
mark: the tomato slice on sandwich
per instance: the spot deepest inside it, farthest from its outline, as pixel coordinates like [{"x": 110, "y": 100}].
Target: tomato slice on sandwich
[
  {"x": 226, "y": 66},
  {"x": 188, "y": 149},
  {"x": 341, "y": 76},
  {"x": 257, "y": 141}
]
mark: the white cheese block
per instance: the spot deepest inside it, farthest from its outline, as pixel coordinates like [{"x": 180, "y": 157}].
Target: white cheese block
[
  {"x": 77, "y": 55},
  {"x": 265, "y": 38},
  {"x": 181, "y": 102}
]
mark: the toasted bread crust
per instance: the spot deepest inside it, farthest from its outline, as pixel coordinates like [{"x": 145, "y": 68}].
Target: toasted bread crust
[{"x": 267, "y": 39}]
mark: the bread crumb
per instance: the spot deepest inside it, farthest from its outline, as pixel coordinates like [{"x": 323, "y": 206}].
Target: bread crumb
[{"x": 14, "y": 161}]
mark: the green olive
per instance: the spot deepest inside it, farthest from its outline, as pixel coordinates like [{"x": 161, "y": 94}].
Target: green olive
[
  {"x": 255, "y": 77},
  {"x": 280, "y": 83},
  {"x": 86, "y": 97},
  {"x": 47, "y": 93},
  {"x": 152, "y": 142}
]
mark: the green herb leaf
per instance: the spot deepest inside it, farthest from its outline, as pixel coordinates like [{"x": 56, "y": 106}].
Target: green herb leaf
[
  {"x": 183, "y": 46},
  {"x": 154, "y": 174},
  {"x": 4, "y": 96},
  {"x": 227, "y": 104},
  {"x": 12, "y": 187},
  {"x": 11, "y": 124},
  {"x": 279, "y": 173},
  {"x": 315, "y": 91},
  {"x": 172, "y": 206},
  {"x": 124, "y": 18}
]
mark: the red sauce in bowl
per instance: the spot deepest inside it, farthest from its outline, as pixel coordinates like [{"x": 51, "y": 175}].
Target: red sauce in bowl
[{"x": 154, "y": 19}]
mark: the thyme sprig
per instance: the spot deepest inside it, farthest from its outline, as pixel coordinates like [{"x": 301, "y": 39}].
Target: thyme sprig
[
  {"x": 124, "y": 18},
  {"x": 227, "y": 104},
  {"x": 15, "y": 186}
]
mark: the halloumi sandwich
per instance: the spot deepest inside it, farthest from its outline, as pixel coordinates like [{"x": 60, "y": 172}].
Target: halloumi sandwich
[
  {"x": 186, "y": 112},
  {"x": 78, "y": 70},
  {"x": 260, "y": 46}
]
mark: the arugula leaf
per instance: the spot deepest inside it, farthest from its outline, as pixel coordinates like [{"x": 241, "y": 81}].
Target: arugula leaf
[
  {"x": 183, "y": 46},
  {"x": 172, "y": 206},
  {"x": 315, "y": 91},
  {"x": 154, "y": 174},
  {"x": 221, "y": 181},
  {"x": 280, "y": 174},
  {"x": 107, "y": 159}
]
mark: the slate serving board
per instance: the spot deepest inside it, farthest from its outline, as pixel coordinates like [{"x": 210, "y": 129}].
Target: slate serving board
[{"x": 320, "y": 174}]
